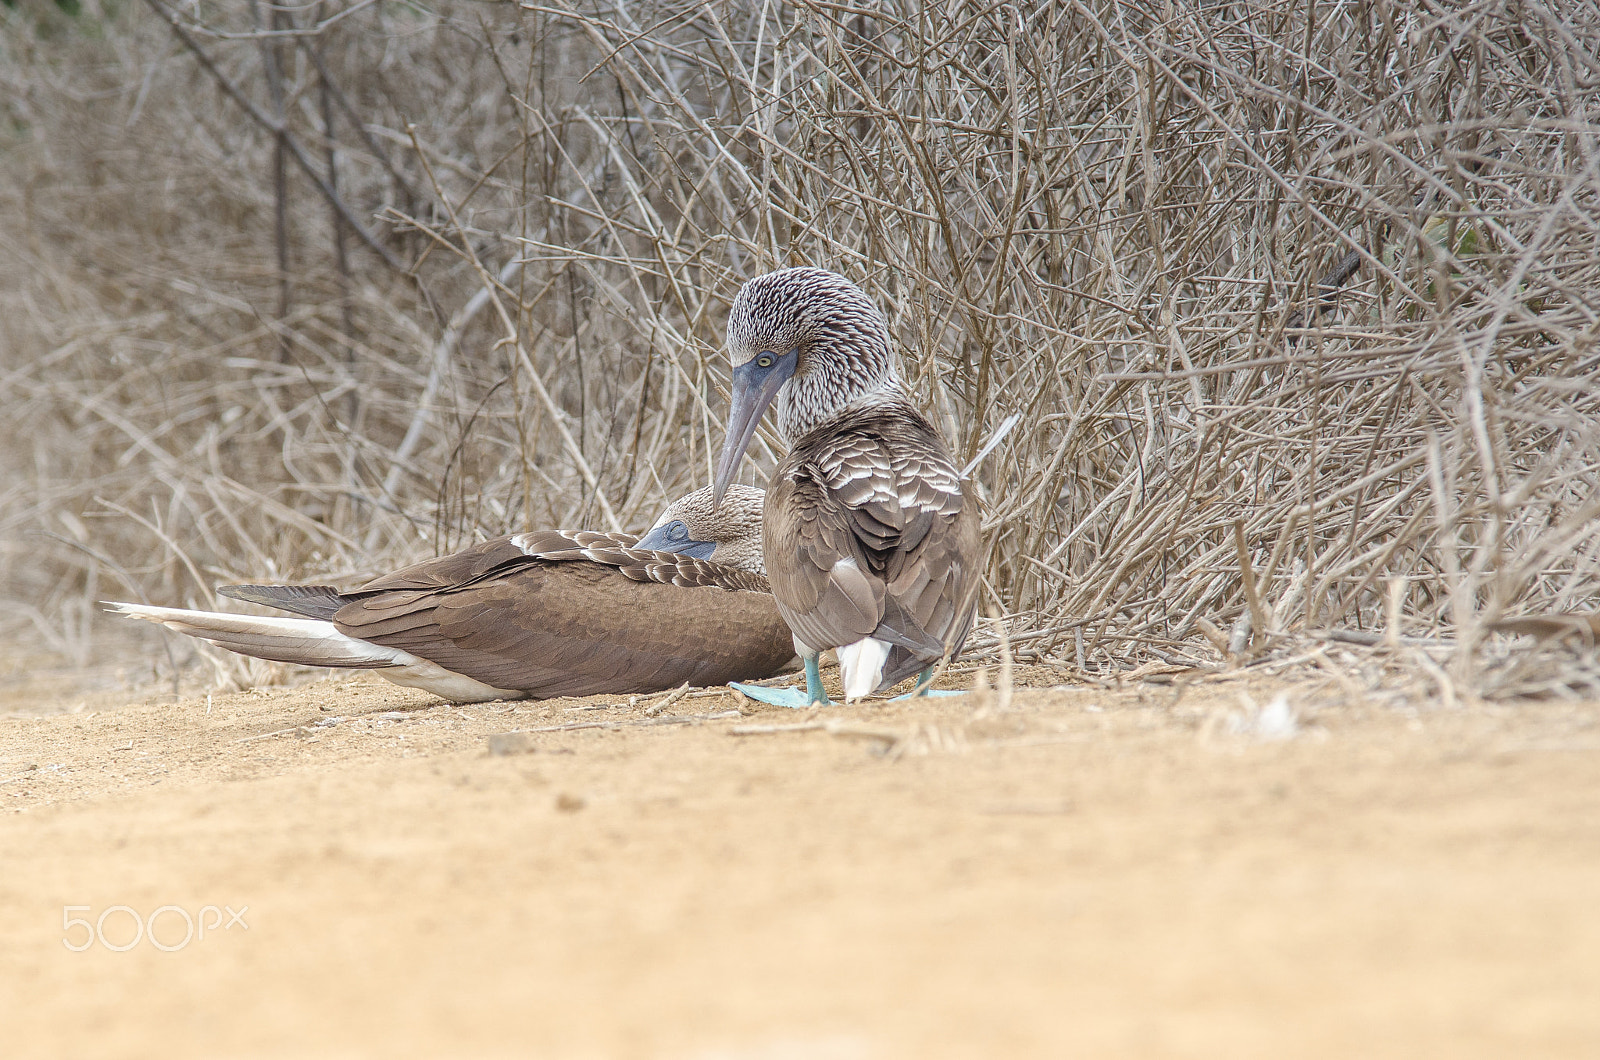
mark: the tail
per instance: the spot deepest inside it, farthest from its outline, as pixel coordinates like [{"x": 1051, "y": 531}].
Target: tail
[
  {"x": 306, "y": 641},
  {"x": 312, "y": 601},
  {"x": 314, "y": 642},
  {"x": 861, "y": 666},
  {"x": 908, "y": 647}
]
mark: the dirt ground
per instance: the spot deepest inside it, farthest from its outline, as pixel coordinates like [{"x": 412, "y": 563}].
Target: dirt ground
[{"x": 1158, "y": 870}]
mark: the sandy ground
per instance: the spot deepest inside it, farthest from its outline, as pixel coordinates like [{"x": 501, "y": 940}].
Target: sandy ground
[{"x": 1089, "y": 872}]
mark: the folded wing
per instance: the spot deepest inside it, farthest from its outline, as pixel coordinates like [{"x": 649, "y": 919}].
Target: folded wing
[{"x": 558, "y": 613}]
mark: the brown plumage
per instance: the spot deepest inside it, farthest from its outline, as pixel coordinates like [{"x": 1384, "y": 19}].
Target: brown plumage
[
  {"x": 882, "y": 538},
  {"x": 541, "y": 614},
  {"x": 871, "y": 541}
]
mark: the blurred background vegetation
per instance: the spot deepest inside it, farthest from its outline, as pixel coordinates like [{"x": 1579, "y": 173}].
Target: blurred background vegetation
[{"x": 1297, "y": 302}]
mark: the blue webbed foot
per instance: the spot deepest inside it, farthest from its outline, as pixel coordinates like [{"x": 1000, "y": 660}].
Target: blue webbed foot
[
  {"x": 778, "y": 697},
  {"x": 924, "y": 679},
  {"x": 810, "y": 696}
]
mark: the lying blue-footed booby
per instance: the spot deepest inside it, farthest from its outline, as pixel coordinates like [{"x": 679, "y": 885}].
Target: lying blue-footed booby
[
  {"x": 871, "y": 543},
  {"x": 541, "y": 614}
]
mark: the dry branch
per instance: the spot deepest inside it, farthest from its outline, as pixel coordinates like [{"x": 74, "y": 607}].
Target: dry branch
[{"x": 1298, "y": 316}]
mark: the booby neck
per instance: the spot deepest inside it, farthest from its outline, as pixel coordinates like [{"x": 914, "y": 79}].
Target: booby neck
[{"x": 802, "y": 410}]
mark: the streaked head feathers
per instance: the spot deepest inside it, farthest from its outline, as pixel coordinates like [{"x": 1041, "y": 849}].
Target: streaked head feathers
[
  {"x": 807, "y": 342},
  {"x": 729, "y": 534}
]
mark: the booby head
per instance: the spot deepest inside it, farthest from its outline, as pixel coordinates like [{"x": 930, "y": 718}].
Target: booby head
[
  {"x": 728, "y": 533},
  {"x": 808, "y": 340}
]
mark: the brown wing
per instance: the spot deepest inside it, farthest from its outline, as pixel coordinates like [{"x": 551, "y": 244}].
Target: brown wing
[
  {"x": 885, "y": 542},
  {"x": 820, "y": 573},
  {"x": 502, "y": 554},
  {"x": 666, "y": 568},
  {"x": 495, "y": 556},
  {"x": 936, "y": 584},
  {"x": 555, "y": 613}
]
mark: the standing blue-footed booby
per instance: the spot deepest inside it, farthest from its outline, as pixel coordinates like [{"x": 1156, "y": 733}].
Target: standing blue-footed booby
[
  {"x": 541, "y": 614},
  {"x": 871, "y": 543}
]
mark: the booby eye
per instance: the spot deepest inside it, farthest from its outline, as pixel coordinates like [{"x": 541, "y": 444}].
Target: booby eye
[
  {"x": 766, "y": 360},
  {"x": 677, "y": 531}
]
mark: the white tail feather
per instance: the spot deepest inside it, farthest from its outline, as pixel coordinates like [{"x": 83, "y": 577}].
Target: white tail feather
[
  {"x": 307, "y": 641},
  {"x": 861, "y": 666},
  {"x": 314, "y": 642}
]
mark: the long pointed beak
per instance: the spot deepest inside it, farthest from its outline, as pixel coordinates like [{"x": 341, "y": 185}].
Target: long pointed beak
[
  {"x": 660, "y": 540},
  {"x": 754, "y": 390}
]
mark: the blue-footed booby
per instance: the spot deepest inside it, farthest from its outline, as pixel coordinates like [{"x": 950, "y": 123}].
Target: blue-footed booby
[
  {"x": 540, "y": 614},
  {"x": 871, "y": 541}
]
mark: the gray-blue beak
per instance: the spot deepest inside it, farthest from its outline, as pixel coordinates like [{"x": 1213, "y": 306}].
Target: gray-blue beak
[
  {"x": 755, "y": 387},
  {"x": 674, "y": 537}
]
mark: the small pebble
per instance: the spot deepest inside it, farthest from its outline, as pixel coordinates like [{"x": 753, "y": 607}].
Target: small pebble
[{"x": 510, "y": 743}]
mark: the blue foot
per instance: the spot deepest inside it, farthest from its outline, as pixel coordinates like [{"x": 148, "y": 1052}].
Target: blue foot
[
  {"x": 811, "y": 696},
  {"x": 924, "y": 679},
  {"x": 778, "y": 697}
]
